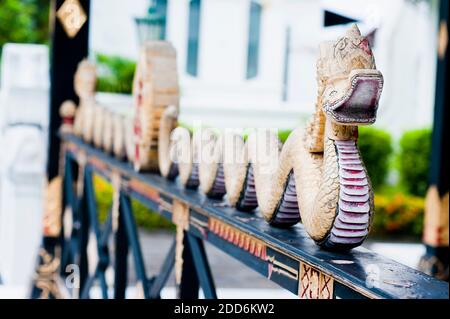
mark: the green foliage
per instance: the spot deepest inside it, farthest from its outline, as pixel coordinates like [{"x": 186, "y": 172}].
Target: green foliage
[
  {"x": 398, "y": 214},
  {"x": 188, "y": 127},
  {"x": 148, "y": 219},
  {"x": 414, "y": 160},
  {"x": 24, "y": 21},
  {"x": 115, "y": 74},
  {"x": 376, "y": 149},
  {"x": 283, "y": 135},
  {"x": 144, "y": 217}
]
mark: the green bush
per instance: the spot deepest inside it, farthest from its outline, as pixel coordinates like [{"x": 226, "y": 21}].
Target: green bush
[
  {"x": 376, "y": 149},
  {"x": 115, "y": 74},
  {"x": 283, "y": 135},
  {"x": 143, "y": 216},
  {"x": 398, "y": 214},
  {"x": 414, "y": 161},
  {"x": 24, "y": 21}
]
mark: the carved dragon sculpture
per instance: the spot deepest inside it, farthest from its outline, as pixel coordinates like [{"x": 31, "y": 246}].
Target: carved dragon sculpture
[{"x": 317, "y": 176}]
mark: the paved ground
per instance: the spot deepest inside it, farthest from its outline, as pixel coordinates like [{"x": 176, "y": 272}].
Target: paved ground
[
  {"x": 227, "y": 271},
  {"x": 230, "y": 273},
  {"x": 232, "y": 278}
]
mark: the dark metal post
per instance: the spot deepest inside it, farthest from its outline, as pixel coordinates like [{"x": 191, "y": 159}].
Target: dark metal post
[
  {"x": 121, "y": 259},
  {"x": 133, "y": 239},
  {"x": 66, "y": 52},
  {"x": 436, "y": 236},
  {"x": 202, "y": 266},
  {"x": 83, "y": 214},
  {"x": 190, "y": 284}
]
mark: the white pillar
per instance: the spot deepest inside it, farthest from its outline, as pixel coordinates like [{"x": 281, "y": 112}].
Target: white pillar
[
  {"x": 24, "y": 117},
  {"x": 22, "y": 177}
]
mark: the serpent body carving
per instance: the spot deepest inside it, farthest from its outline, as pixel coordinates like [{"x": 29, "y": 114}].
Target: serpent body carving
[{"x": 317, "y": 176}]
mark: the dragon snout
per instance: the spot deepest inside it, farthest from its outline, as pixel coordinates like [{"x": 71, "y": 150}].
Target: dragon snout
[{"x": 356, "y": 103}]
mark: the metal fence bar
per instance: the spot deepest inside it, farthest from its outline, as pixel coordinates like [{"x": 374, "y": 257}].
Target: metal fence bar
[
  {"x": 202, "y": 267},
  {"x": 120, "y": 262},
  {"x": 131, "y": 230},
  {"x": 286, "y": 256},
  {"x": 164, "y": 273}
]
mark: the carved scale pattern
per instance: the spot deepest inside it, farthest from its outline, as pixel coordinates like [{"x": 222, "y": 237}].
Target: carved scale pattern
[{"x": 352, "y": 221}]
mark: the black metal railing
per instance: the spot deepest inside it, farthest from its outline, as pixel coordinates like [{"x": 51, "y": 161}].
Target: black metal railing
[{"x": 286, "y": 256}]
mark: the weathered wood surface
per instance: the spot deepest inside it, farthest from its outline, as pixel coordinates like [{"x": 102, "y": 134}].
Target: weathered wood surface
[{"x": 286, "y": 256}]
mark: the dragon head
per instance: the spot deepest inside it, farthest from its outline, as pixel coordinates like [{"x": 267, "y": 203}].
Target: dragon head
[{"x": 350, "y": 83}]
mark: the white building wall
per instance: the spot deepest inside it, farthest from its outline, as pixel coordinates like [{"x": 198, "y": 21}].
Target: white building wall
[
  {"x": 305, "y": 19},
  {"x": 223, "y": 41},
  {"x": 221, "y": 88},
  {"x": 271, "y": 49},
  {"x": 405, "y": 53},
  {"x": 177, "y": 31},
  {"x": 112, "y": 27}
]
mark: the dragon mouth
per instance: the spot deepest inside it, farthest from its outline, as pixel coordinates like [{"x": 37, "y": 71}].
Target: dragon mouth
[{"x": 359, "y": 103}]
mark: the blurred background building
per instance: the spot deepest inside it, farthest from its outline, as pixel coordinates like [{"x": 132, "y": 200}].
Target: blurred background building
[
  {"x": 241, "y": 63},
  {"x": 258, "y": 57}
]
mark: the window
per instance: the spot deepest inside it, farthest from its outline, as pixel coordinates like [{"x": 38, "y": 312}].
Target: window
[
  {"x": 193, "y": 37},
  {"x": 253, "y": 39},
  {"x": 161, "y": 9}
]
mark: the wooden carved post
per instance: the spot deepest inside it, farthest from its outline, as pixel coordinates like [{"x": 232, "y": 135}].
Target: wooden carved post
[
  {"x": 155, "y": 87},
  {"x": 69, "y": 46},
  {"x": 436, "y": 237},
  {"x": 319, "y": 175},
  {"x": 180, "y": 218}
]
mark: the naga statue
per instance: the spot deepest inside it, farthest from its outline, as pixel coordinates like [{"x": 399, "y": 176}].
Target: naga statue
[{"x": 317, "y": 176}]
